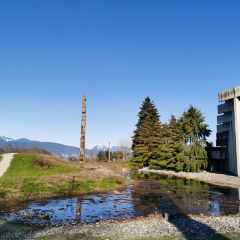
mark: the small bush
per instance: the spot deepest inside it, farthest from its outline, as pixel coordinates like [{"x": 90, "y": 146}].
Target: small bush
[
  {"x": 2, "y": 194},
  {"x": 41, "y": 161}
]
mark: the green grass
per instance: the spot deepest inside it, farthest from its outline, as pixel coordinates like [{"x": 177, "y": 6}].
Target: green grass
[
  {"x": 23, "y": 165},
  {"x": 90, "y": 186},
  {"x": 32, "y": 187},
  {"x": 29, "y": 177},
  {"x": 22, "y": 169}
]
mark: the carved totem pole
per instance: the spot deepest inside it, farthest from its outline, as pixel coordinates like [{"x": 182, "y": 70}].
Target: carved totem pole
[{"x": 83, "y": 130}]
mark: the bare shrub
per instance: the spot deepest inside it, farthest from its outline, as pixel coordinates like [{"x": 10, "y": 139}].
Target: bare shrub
[
  {"x": 73, "y": 158},
  {"x": 41, "y": 161}
]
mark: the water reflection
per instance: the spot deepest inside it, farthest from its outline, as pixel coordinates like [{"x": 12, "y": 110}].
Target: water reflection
[
  {"x": 88, "y": 209},
  {"x": 175, "y": 195},
  {"x": 151, "y": 194}
]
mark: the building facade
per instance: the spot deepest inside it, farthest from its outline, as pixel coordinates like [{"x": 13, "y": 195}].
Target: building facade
[{"x": 228, "y": 127}]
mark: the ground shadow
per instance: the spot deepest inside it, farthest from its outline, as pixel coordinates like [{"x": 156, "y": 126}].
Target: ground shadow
[
  {"x": 189, "y": 227},
  {"x": 192, "y": 229},
  {"x": 9, "y": 231}
]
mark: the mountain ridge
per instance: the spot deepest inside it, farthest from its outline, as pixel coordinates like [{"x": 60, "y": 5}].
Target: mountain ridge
[{"x": 57, "y": 148}]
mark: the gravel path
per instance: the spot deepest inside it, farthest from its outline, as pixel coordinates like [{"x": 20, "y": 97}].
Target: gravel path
[
  {"x": 213, "y": 178},
  {"x": 5, "y": 162},
  {"x": 155, "y": 227}
]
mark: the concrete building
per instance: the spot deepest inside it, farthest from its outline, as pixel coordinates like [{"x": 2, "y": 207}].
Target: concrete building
[
  {"x": 217, "y": 160},
  {"x": 228, "y": 128}
]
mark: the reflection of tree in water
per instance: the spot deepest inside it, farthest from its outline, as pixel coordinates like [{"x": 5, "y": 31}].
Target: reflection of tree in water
[
  {"x": 159, "y": 194},
  {"x": 78, "y": 211},
  {"x": 177, "y": 197}
]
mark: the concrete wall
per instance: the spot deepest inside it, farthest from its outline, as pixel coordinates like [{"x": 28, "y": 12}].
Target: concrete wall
[{"x": 228, "y": 128}]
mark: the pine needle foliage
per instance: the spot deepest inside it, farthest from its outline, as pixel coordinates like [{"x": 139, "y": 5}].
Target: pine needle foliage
[
  {"x": 179, "y": 145},
  {"x": 171, "y": 150},
  {"x": 146, "y": 139},
  {"x": 195, "y": 131}
]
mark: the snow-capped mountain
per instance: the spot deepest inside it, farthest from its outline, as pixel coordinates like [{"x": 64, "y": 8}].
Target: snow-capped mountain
[
  {"x": 100, "y": 147},
  {"x": 54, "y": 148},
  {"x": 57, "y": 148},
  {"x": 5, "y": 139},
  {"x": 97, "y": 148}
]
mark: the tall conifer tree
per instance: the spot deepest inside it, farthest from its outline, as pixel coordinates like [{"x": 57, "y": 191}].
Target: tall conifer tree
[
  {"x": 171, "y": 150},
  {"x": 146, "y": 137},
  {"x": 195, "y": 131}
]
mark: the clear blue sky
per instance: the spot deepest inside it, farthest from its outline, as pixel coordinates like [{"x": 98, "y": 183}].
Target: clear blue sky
[{"x": 117, "y": 53}]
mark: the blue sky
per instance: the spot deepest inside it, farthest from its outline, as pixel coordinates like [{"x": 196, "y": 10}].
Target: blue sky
[{"x": 117, "y": 53}]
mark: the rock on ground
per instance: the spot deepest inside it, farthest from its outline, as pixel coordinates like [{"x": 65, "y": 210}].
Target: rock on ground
[{"x": 156, "y": 227}]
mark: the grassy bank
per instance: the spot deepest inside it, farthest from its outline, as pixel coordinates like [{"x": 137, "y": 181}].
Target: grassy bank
[{"x": 38, "y": 176}]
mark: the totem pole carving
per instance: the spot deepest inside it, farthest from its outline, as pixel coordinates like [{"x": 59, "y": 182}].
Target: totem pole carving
[{"x": 83, "y": 130}]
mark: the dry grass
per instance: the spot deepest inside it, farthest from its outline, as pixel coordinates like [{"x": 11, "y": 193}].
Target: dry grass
[{"x": 90, "y": 171}]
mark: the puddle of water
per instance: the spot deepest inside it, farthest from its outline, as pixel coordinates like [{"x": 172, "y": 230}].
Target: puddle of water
[
  {"x": 88, "y": 209},
  {"x": 151, "y": 194}
]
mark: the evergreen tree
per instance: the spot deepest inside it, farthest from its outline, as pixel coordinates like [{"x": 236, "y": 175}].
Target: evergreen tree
[
  {"x": 146, "y": 139},
  {"x": 196, "y": 157},
  {"x": 101, "y": 156},
  {"x": 164, "y": 152},
  {"x": 194, "y": 126},
  {"x": 171, "y": 150},
  {"x": 179, "y": 145},
  {"x": 176, "y": 145},
  {"x": 180, "y": 149},
  {"x": 195, "y": 131}
]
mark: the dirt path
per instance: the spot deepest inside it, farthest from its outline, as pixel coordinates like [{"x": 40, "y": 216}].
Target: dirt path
[{"x": 5, "y": 162}]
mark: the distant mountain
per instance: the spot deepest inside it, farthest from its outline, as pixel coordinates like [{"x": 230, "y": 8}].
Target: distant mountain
[
  {"x": 5, "y": 139},
  {"x": 56, "y": 148},
  {"x": 121, "y": 149},
  {"x": 97, "y": 148}
]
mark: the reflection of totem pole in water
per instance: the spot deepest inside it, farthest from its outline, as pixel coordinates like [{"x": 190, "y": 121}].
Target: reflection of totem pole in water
[
  {"x": 78, "y": 211},
  {"x": 83, "y": 130}
]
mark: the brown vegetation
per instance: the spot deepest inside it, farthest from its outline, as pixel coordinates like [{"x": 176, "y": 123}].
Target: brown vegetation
[{"x": 32, "y": 150}]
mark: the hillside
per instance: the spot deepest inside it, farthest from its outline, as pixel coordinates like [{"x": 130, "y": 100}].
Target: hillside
[{"x": 55, "y": 148}]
